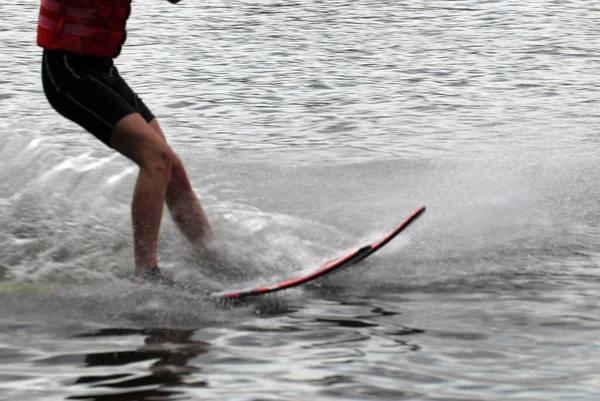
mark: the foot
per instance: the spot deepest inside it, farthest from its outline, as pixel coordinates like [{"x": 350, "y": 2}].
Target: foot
[{"x": 154, "y": 275}]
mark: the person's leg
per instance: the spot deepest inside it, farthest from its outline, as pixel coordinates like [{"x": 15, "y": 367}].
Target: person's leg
[
  {"x": 183, "y": 203},
  {"x": 135, "y": 139},
  {"x": 92, "y": 94}
]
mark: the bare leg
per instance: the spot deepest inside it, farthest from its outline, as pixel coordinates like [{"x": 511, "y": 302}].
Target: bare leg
[
  {"x": 135, "y": 139},
  {"x": 183, "y": 203}
]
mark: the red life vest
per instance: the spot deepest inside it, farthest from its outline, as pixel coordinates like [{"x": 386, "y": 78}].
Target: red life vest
[{"x": 84, "y": 27}]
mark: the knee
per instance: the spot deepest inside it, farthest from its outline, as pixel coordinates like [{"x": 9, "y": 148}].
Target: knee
[{"x": 161, "y": 163}]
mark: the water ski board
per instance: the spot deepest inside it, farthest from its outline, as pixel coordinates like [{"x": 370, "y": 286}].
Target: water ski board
[{"x": 329, "y": 267}]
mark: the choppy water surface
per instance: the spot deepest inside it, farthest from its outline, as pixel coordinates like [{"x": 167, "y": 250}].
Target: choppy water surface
[{"x": 310, "y": 127}]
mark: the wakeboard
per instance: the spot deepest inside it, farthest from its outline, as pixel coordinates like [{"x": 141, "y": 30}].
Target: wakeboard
[{"x": 351, "y": 258}]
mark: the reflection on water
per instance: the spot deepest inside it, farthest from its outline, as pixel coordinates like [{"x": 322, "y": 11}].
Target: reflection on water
[
  {"x": 170, "y": 352},
  {"x": 171, "y": 363},
  {"x": 411, "y": 343}
]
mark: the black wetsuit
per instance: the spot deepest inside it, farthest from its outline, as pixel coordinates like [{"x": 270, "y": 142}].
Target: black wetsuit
[{"x": 89, "y": 91}]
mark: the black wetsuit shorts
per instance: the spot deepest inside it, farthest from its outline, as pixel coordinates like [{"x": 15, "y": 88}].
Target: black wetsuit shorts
[{"x": 89, "y": 91}]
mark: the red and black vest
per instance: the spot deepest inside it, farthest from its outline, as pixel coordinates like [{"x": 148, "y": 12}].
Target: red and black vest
[{"x": 84, "y": 27}]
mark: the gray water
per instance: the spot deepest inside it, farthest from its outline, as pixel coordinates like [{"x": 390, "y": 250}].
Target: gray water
[{"x": 309, "y": 128}]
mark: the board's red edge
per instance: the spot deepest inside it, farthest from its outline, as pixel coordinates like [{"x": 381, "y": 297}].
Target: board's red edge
[
  {"x": 330, "y": 265},
  {"x": 401, "y": 227}
]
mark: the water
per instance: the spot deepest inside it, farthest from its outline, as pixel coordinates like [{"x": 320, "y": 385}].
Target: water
[{"x": 310, "y": 127}]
